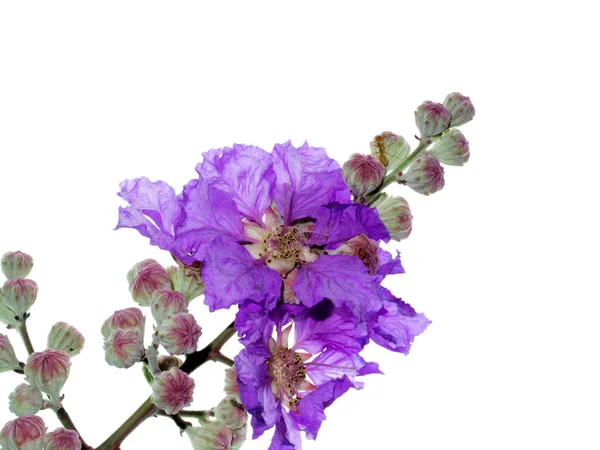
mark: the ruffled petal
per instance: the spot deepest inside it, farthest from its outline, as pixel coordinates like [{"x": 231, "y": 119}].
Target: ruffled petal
[
  {"x": 253, "y": 324},
  {"x": 388, "y": 265},
  {"x": 306, "y": 179},
  {"x": 287, "y": 435},
  {"x": 245, "y": 173}
]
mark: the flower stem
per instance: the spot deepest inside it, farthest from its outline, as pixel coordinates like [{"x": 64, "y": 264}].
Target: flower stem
[
  {"x": 22, "y": 329},
  {"x": 66, "y": 422},
  {"x": 196, "y": 414}
]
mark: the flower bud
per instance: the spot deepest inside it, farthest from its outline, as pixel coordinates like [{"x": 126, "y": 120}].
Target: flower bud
[
  {"x": 65, "y": 337},
  {"x": 172, "y": 391},
  {"x": 362, "y": 174},
  {"x": 48, "y": 371},
  {"x": 452, "y": 148},
  {"x": 396, "y": 216},
  {"x": 210, "y": 436},
  {"x": 460, "y": 107},
  {"x": 231, "y": 384},
  {"x": 432, "y": 118},
  {"x": 124, "y": 348},
  {"x": 165, "y": 303},
  {"x": 390, "y": 149},
  {"x": 145, "y": 278},
  {"x": 167, "y": 362},
  {"x": 23, "y": 433},
  {"x": 231, "y": 413},
  {"x": 425, "y": 175},
  {"x": 19, "y": 295},
  {"x": 16, "y": 264},
  {"x": 179, "y": 334},
  {"x": 187, "y": 280},
  {"x": 238, "y": 437},
  {"x": 7, "y": 315},
  {"x": 124, "y": 319},
  {"x": 8, "y": 359},
  {"x": 365, "y": 249},
  {"x": 61, "y": 439},
  {"x": 25, "y": 400}
]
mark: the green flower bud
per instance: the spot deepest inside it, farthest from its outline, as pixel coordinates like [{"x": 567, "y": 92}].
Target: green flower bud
[
  {"x": 187, "y": 280},
  {"x": 19, "y": 295},
  {"x": 432, "y": 118},
  {"x": 25, "y": 400},
  {"x": 231, "y": 384},
  {"x": 145, "y": 278},
  {"x": 124, "y": 348},
  {"x": 61, "y": 439},
  {"x": 210, "y": 436},
  {"x": 231, "y": 413},
  {"x": 48, "y": 371},
  {"x": 8, "y": 359},
  {"x": 165, "y": 303},
  {"x": 390, "y": 149},
  {"x": 452, "y": 148},
  {"x": 460, "y": 107},
  {"x": 16, "y": 265},
  {"x": 23, "y": 433},
  {"x": 425, "y": 175},
  {"x": 179, "y": 334},
  {"x": 124, "y": 319},
  {"x": 173, "y": 390},
  {"x": 238, "y": 437},
  {"x": 7, "y": 315},
  {"x": 362, "y": 174},
  {"x": 396, "y": 216},
  {"x": 65, "y": 337}
]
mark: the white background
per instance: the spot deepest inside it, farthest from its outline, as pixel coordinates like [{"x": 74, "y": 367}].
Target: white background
[{"x": 502, "y": 260}]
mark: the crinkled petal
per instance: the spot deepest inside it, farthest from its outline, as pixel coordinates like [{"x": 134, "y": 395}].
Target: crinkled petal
[
  {"x": 245, "y": 173},
  {"x": 231, "y": 275},
  {"x": 388, "y": 265},
  {"x": 287, "y": 435},
  {"x": 341, "y": 278},
  {"x": 337, "y": 223},
  {"x": 333, "y": 363},
  {"x": 306, "y": 179},
  {"x": 253, "y": 324}
]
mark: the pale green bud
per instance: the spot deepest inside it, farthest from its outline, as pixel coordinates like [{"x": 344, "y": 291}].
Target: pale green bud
[
  {"x": 8, "y": 359},
  {"x": 362, "y": 174},
  {"x": 187, "y": 280},
  {"x": 165, "y": 303},
  {"x": 231, "y": 385},
  {"x": 23, "y": 433},
  {"x": 452, "y": 148},
  {"x": 25, "y": 400},
  {"x": 396, "y": 216},
  {"x": 19, "y": 295},
  {"x": 124, "y": 348},
  {"x": 7, "y": 315},
  {"x": 65, "y": 337},
  {"x": 16, "y": 264},
  {"x": 146, "y": 277},
  {"x": 425, "y": 175},
  {"x": 124, "y": 319},
  {"x": 238, "y": 437},
  {"x": 210, "y": 436},
  {"x": 460, "y": 107},
  {"x": 432, "y": 118},
  {"x": 48, "y": 371},
  {"x": 390, "y": 149},
  {"x": 231, "y": 413}
]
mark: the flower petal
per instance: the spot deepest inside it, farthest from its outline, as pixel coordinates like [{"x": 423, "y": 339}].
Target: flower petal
[{"x": 388, "y": 265}]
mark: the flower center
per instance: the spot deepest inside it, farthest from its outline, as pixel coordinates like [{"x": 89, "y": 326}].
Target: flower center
[
  {"x": 287, "y": 369},
  {"x": 288, "y": 245}
]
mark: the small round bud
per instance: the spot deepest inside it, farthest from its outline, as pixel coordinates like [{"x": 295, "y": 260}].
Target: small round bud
[
  {"x": 16, "y": 264},
  {"x": 65, "y": 337},
  {"x": 61, "y": 439},
  {"x": 48, "y": 371},
  {"x": 425, "y": 175},
  {"x": 452, "y": 148},
  {"x": 7, "y": 315},
  {"x": 124, "y": 319},
  {"x": 460, "y": 107},
  {"x": 179, "y": 334},
  {"x": 145, "y": 278},
  {"x": 363, "y": 173},
  {"x": 396, "y": 216},
  {"x": 367, "y": 250},
  {"x": 19, "y": 295},
  {"x": 8, "y": 359},
  {"x": 165, "y": 303},
  {"x": 23, "y": 433},
  {"x": 432, "y": 118},
  {"x": 210, "y": 436},
  {"x": 238, "y": 437},
  {"x": 172, "y": 391},
  {"x": 25, "y": 400},
  {"x": 231, "y": 385},
  {"x": 124, "y": 348},
  {"x": 231, "y": 413},
  {"x": 187, "y": 280},
  {"x": 390, "y": 149}
]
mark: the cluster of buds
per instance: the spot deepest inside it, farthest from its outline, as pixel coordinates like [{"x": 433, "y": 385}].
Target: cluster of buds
[
  {"x": 29, "y": 433},
  {"x": 18, "y": 294}
]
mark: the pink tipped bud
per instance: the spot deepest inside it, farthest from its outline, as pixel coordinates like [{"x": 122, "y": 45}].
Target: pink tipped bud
[
  {"x": 172, "y": 391},
  {"x": 8, "y": 359},
  {"x": 231, "y": 413},
  {"x": 16, "y": 265},
  {"x": 48, "y": 371},
  {"x": 124, "y": 348},
  {"x": 187, "y": 280},
  {"x": 7, "y": 315},
  {"x": 231, "y": 384},
  {"x": 363, "y": 173},
  {"x": 179, "y": 334},
  {"x": 145, "y": 278},
  {"x": 363, "y": 248},
  {"x": 395, "y": 214},
  {"x": 65, "y": 337},
  {"x": 25, "y": 400},
  {"x": 390, "y": 149},
  {"x": 165, "y": 303},
  {"x": 432, "y": 118},
  {"x": 19, "y": 295},
  {"x": 425, "y": 175},
  {"x": 23, "y": 433},
  {"x": 460, "y": 108},
  {"x": 124, "y": 319},
  {"x": 238, "y": 437},
  {"x": 210, "y": 436},
  {"x": 452, "y": 148},
  {"x": 61, "y": 439}
]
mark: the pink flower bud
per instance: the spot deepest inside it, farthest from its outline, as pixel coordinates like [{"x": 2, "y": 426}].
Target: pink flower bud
[
  {"x": 210, "y": 436},
  {"x": 65, "y": 337},
  {"x": 231, "y": 413},
  {"x": 363, "y": 173},
  {"x": 48, "y": 371},
  {"x": 452, "y": 148},
  {"x": 238, "y": 437},
  {"x": 460, "y": 108},
  {"x": 23, "y": 433},
  {"x": 165, "y": 303},
  {"x": 19, "y": 295},
  {"x": 390, "y": 149},
  {"x": 425, "y": 175},
  {"x": 173, "y": 390},
  {"x": 396, "y": 216},
  {"x": 25, "y": 400},
  {"x": 16, "y": 264},
  {"x": 432, "y": 118},
  {"x": 231, "y": 384},
  {"x": 367, "y": 250},
  {"x": 124, "y": 319},
  {"x": 8, "y": 359},
  {"x": 61, "y": 439},
  {"x": 179, "y": 334},
  {"x": 145, "y": 278},
  {"x": 124, "y": 348}
]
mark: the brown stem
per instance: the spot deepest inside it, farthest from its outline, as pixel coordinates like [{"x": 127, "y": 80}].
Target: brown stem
[
  {"x": 66, "y": 422},
  {"x": 196, "y": 414}
]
